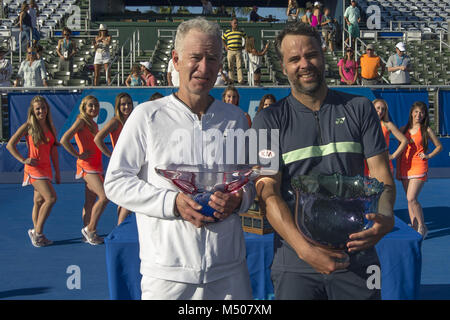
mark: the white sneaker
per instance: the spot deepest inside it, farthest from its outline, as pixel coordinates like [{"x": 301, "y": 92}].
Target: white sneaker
[
  {"x": 38, "y": 240},
  {"x": 91, "y": 237}
]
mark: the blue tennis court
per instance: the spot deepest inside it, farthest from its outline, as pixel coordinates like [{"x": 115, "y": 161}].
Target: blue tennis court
[{"x": 72, "y": 270}]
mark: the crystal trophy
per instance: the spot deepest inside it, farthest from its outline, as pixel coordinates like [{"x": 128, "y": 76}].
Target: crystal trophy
[
  {"x": 201, "y": 181},
  {"x": 328, "y": 208}
]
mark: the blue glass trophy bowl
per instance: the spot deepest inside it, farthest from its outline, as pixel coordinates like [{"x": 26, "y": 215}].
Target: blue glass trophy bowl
[
  {"x": 328, "y": 208},
  {"x": 201, "y": 181}
]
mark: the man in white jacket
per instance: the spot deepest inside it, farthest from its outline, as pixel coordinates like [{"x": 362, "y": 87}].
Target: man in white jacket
[{"x": 183, "y": 254}]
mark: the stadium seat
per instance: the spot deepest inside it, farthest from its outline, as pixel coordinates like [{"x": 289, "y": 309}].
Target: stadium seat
[{"x": 55, "y": 83}]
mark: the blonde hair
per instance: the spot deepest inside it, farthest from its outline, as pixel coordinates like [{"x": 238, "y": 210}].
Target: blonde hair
[
  {"x": 250, "y": 44},
  {"x": 83, "y": 116},
  {"x": 34, "y": 129},
  {"x": 386, "y": 114}
]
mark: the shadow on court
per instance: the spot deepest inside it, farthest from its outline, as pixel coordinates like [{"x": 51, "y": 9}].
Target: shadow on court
[
  {"x": 437, "y": 220},
  {"x": 23, "y": 292}
]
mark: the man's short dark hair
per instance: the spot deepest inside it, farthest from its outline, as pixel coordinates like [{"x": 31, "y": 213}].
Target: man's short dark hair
[{"x": 297, "y": 28}]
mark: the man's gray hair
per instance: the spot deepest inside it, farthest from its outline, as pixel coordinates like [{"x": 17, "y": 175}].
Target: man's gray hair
[{"x": 200, "y": 24}]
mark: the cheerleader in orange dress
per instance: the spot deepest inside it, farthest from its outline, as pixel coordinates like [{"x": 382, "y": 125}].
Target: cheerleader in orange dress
[
  {"x": 40, "y": 136},
  {"x": 123, "y": 108},
  {"x": 388, "y": 127},
  {"x": 413, "y": 164},
  {"x": 89, "y": 166}
]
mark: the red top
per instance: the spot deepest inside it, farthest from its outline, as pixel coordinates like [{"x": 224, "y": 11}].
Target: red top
[
  {"x": 43, "y": 168},
  {"x": 149, "y": 80},
  {"x": 412, "y": 166},
  {"x": 85, "y": 142},
  {"x": 114, "y": 135}
]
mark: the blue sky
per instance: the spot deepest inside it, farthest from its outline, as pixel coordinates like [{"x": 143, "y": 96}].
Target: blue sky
[{"x": 279, "y": 13}]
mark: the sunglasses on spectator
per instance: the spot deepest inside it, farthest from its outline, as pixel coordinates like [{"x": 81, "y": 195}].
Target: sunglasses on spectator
[
  {"x": 31, "y": 52},
  {"x": 369, "y": 49}
]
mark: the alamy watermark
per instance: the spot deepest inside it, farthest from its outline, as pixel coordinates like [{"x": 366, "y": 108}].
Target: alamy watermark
[
  {"x": 229, "y": 147},
  {"x": 74, "y": 280}
]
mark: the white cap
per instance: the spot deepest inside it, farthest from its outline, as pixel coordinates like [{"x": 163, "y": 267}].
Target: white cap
[
  {"x": 317, "y": 3},
  {"x": 400, "y": 46},
  {"x": 146, "y": 64},
  {"x": 102, "y": 27}
]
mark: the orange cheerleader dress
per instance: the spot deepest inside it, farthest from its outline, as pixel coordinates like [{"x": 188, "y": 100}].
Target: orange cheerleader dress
[
  {"x": 412, "y": 166},
  {"x": 92, "y": 164},
  {"x": 43, "y": 169},
  {"x": 114, "y": 135},
  {"x": 386, "y": 135}
]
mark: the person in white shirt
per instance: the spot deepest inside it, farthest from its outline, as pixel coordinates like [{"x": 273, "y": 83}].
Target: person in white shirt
[
  {"x": 222, "y": 78},
  {"x": 184, "y": 255},
  {"x": 173, "y": 79},
  {"x": 5, "y": 69},
  {"x": 32, "y": 71}
]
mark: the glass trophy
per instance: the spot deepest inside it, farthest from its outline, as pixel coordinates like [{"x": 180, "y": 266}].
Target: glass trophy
[
  {"x": 201, "y": 181},
  {"x": 328, "y": 208}
]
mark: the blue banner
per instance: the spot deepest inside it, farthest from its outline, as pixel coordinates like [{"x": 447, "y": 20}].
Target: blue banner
[
  {"x": 65, "y": 108},
  {"x": 61, "y": 105},
  {"x": 444, "y": 112},
  {"x": 400, "y": 102}
]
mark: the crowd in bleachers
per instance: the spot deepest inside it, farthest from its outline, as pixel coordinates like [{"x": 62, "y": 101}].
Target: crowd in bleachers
[{"x": 79, "y": 61}]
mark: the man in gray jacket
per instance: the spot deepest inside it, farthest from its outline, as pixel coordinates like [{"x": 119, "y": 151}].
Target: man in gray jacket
[
  {"x": 184, "y": 254},
  {"x": 399, "y": 65}
]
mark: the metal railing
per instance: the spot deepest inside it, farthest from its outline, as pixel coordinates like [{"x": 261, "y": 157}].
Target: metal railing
[{"x": 133, "y": 42}]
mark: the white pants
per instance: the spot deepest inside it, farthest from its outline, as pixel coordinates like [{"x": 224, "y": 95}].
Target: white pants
[{"x": 234, "y": 287}]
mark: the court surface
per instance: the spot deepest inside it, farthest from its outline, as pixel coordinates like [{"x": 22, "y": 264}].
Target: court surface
[{"x": 73, "y": 270}]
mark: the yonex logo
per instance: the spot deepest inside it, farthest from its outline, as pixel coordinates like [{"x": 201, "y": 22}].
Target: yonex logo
[{"x": 340, "y": 120}]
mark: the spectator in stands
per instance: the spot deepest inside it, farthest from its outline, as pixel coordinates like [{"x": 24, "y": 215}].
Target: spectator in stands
[
  {"x": 266, "y": 101},
  {"x": 102, "y": 56},
  {"x": 352, "y": 17},
  {"x": 5, "y": 68},
  {"x": 328, "y": 29},
  {"x": 207, "y": 8},
  {"x": 122, "y": 110},
  {"x": 348, "y": 68},
  {"x": 25, "y": 25},
  {"x": 222, "y": 78},
  {"x": 292, "y": 11},
  {"x": 66, "y": 49},
  {"x": 32, "y": 71},
  {"x": 399, "y": 65},
  {"x": 231, "y": 95},
  {"x": 232, "y": 39},
  {"x": 40, "y": 136},
  {"x": 134, "y": 79},
  {"x": 33, "y": 11},
  {"x": 254, "y": 63},
  {"x": 173, "y": 77},
  {"x": 412, "y": 169},
  {"x": 89, "y": 166},
  {"x": 148, "y": 78},
  {"x": 370, "y": 64},
  {"x": 306, "y": 18},
  {"x": 316, "y": 17},
  {"x": 254, "y": 16},
  {"x": 156, "y": 96}
]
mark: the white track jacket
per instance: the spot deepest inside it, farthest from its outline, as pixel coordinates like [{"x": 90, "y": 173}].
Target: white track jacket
[{"x": 166, "y": 131}]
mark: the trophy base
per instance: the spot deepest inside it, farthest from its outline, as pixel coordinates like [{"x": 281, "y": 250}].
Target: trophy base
[{"x": 255, "y": 222}]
